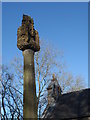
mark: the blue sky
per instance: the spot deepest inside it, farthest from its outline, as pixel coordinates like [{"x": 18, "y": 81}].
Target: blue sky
[{"x": 65, "y": 25}]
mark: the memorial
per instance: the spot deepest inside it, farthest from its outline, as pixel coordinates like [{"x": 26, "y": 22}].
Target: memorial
[{"x": 28, "y": 43}]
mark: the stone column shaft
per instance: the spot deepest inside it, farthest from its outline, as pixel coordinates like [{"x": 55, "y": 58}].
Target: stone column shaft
[{"x": 29, "y": 109}]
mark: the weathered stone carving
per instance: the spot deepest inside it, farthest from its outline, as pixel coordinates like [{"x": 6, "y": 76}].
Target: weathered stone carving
[
  {"x": 27, "y": 36},
  {"x": 54, "y": 90}
]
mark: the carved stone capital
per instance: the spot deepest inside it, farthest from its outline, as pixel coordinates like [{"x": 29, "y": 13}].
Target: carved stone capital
[{"x": 27, "y": 36}]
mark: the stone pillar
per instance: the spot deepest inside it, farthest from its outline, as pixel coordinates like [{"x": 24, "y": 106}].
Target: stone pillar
[{"x": 28, "y": 42}]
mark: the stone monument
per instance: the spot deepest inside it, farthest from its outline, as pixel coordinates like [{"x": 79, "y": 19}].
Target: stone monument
[{"x": 28, "y": 43}]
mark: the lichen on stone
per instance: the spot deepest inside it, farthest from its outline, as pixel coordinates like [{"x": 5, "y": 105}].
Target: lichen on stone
[{"x": 27, "y": 36}]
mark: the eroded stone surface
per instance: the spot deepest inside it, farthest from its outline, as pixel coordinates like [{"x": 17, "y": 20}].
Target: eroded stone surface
[{"x": 27, "y": 36}]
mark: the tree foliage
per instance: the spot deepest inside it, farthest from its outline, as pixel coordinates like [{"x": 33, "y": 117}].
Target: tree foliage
[{"x": 12, "y": 104}]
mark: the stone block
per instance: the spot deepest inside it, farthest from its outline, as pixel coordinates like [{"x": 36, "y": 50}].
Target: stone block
[{"x": 27, "y": 36}]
